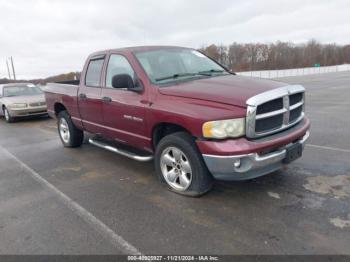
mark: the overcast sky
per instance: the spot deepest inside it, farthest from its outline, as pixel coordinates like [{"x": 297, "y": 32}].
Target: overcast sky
[{"x": 48, "y": 37}]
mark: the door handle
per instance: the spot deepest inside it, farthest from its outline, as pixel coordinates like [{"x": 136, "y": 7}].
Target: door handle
[
  {"x": 82, "y": 96},
  {"x": 106, "y": 99}
]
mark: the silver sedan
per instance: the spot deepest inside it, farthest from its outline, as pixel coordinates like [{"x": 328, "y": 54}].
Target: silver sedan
[{"x": 21, "y": 99}]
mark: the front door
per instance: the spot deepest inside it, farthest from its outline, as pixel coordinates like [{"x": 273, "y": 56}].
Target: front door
[{"x": 123, "y": 110}]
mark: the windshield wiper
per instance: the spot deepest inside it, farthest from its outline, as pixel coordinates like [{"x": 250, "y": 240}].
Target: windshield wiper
[
  {"x": 210, "y": 72},
  {"x": 201, "y": 73},
  {"x": 175, "y": 76}
]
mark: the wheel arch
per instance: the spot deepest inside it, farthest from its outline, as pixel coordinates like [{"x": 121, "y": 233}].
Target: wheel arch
[
  {"x": 59, "y": 107},
  {"x": 163, "y": 129}
]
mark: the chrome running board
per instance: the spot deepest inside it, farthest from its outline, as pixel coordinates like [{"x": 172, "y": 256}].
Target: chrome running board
[{"x": 121, "y": 152}]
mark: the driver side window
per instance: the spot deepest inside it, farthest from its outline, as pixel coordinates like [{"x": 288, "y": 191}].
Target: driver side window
[{"x": 117, "y": 65}]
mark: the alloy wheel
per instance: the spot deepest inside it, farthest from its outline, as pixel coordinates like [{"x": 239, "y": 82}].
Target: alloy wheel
[
  {"x": 64, "y": 130},
  {"x": 176, "y": 168}
]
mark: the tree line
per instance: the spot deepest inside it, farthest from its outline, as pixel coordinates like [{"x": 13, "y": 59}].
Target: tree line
[
  {"x": 279, "y": 55},
  {"x": 255, "y": 56},
  {"x": 43, "y": 81}
]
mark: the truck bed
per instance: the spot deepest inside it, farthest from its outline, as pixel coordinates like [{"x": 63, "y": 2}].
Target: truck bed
[
  {"x": 69, "y": 82},
  {"x": 67, "y": 87},
  {"x": 62, "y": 93}
]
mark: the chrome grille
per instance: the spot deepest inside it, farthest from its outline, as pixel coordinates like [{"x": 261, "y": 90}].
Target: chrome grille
[
  {"x": 270, "y": 106},
  {"x": 37, "y": 104},
  {"x": 274, "y": 111}
]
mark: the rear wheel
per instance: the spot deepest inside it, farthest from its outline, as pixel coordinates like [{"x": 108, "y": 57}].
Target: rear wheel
[
  {"x": 180, "y": 165},
  {"x": 8, "y": 117},
  {"x": 70, "y": 135}
]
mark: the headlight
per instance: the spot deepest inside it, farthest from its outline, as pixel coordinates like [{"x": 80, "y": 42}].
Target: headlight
[
  {"x": 224, "y": 128},
  {"x": 18, "y": 105}
]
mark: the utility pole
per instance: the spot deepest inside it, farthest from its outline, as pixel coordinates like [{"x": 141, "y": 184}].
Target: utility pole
[
  {"x": 13, "y": 69},
  {"x": 8, "y": 69}
]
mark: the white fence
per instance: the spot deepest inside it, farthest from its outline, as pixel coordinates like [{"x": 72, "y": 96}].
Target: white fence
[{"x": 296, "y": 71}]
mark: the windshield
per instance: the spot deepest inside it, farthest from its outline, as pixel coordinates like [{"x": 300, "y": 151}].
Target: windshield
[
  {"x": 168, "y": 65},
  {"x": 23, "y": 90}
]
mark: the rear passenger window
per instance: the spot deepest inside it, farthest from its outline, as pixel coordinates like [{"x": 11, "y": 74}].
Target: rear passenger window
[
  {"x": 93, "y": 73},
  {"x": 117, "y": 65}
]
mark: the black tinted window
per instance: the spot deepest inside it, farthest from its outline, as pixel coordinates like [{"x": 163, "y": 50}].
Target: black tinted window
[{"x": 93, "y": 73}]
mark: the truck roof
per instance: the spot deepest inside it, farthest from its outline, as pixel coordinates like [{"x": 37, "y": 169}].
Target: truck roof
[{"x": 136, "y": 49}]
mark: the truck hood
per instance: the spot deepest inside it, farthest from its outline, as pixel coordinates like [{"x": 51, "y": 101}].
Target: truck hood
[{"x": 231, "y": 89}]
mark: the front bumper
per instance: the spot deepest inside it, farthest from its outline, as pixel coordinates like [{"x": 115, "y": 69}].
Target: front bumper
[
  {"x": 248, "y": 166},
  {"x": 28, "y": 111}
]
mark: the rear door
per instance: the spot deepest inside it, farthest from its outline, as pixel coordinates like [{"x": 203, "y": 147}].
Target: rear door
[
  {"x": 89, "y": 95},
  {"x": 123, "y": 110}
]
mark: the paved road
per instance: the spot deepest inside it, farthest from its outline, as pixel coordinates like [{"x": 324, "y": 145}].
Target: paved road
[{"x": 88, "y": 201}]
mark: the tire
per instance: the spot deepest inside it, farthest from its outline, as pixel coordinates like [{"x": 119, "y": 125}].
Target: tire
[
  {"x": 7, "y": 116},
  {"x": 70, "y": 135},
  {"x": 184, "y": 173}
]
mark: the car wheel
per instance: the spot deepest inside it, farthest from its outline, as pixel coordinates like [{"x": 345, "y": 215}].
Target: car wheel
[
  {"x": 8, "y": 117},
  {"x": 70, "y": 135},
  {"x": 180, "y": 165}
]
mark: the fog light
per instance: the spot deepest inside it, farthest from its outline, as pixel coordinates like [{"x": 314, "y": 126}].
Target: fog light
[{"x": 237, "y": 163}]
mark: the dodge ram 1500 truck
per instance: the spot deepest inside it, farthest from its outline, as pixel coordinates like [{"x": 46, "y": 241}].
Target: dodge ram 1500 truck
[{"x": 197, "y": 120}]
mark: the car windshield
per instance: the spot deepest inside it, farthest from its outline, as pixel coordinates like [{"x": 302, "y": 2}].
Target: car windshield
[
  {"x": 22, "y": 90},
  {"x": 167, "y": 65}
]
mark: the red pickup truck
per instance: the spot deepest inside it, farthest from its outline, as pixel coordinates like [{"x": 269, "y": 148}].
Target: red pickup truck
[{"x": 195, "y": 118}]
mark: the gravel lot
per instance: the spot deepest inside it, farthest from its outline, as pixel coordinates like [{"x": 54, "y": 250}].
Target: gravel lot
[{"x": 89, "y": 201}]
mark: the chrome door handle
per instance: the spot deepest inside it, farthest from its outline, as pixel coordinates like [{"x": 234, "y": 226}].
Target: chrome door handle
[{"x": 82, "y": 96}]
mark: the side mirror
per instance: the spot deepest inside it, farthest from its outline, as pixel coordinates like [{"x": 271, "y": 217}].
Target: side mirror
[
  {"x": 123, "y": 81},
  {"x": 126, "y": 81}
]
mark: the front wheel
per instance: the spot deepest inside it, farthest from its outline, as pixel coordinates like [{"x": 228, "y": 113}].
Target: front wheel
[
  {"x": 69, "y": 134},
  {"x": 180, "y": 165},
  {"x": 8, "y": 117}
]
